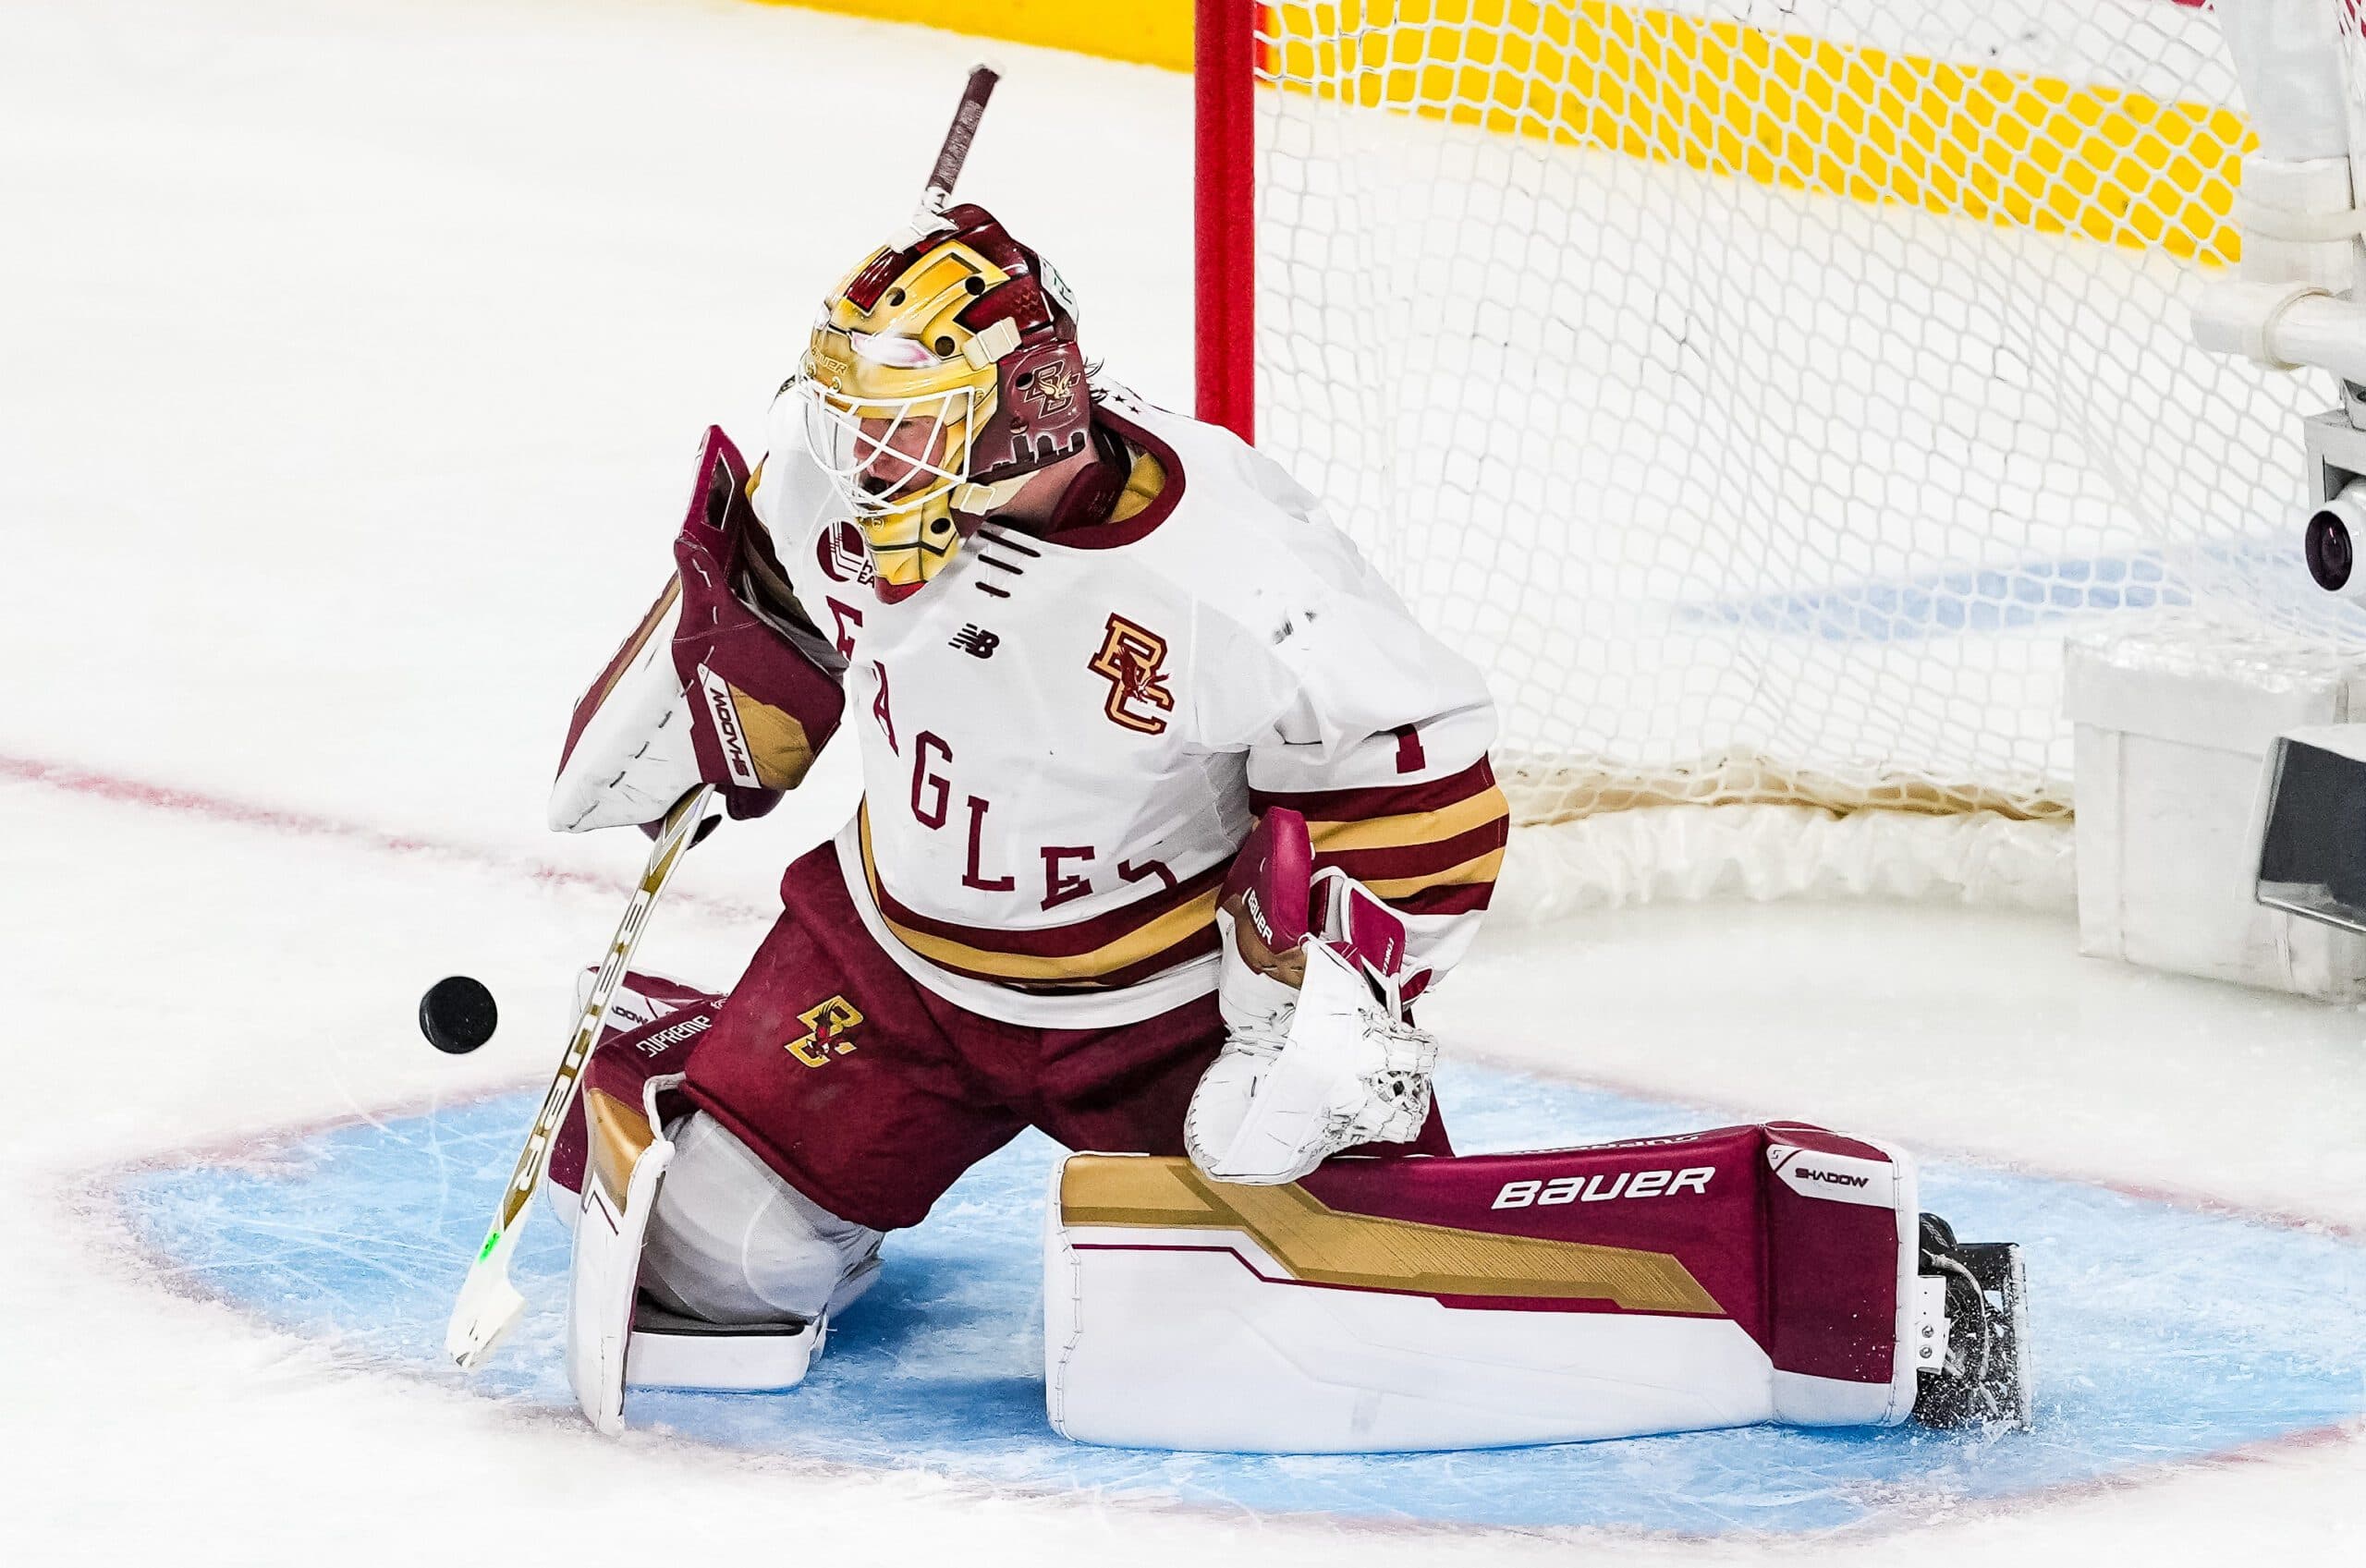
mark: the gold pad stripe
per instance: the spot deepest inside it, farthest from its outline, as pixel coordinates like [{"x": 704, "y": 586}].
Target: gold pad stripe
[
  {"x": 620, "y": 1136},
  {"x": 776, "y": 742},
  {"x": 1323, "y": 1245}
]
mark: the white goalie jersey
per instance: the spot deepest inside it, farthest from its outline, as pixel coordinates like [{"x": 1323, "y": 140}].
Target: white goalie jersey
[{"x": 1066, "y": 737}]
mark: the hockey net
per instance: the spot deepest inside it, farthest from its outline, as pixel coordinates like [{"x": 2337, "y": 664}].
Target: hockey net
[{"x": 1761, "y": 393}]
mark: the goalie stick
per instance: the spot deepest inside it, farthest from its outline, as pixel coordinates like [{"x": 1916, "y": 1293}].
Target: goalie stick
[
  {"x": 489, "y": 1304},
  {"x": 955, "y": 152}
]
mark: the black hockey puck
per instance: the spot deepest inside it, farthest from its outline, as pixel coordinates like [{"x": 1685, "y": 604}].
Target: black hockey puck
[{"x": 457, "y": 1014}]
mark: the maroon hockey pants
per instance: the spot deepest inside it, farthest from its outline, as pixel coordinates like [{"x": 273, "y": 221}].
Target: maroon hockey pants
[{"x": 872, "y": 1095}]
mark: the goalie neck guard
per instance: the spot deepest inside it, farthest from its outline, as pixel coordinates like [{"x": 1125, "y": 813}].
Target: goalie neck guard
[{"x": 942, "y": 372}]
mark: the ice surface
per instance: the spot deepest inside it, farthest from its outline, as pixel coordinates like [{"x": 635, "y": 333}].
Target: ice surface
[
  {"x": 352, "y": 359},
  {"x": 2162, "y": 1335}
]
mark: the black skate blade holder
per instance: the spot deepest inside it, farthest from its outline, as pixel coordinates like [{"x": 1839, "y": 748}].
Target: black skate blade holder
[
  {"x": 1998, "y": 1267},
  {"x": 1971, "y": 1349}
]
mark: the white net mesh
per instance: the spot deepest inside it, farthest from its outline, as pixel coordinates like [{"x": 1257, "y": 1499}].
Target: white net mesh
[{"x": 1761, "y": 392}]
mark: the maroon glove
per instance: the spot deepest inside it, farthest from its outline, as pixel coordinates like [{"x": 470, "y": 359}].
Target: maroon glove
[{"x": 727, "y": 680}]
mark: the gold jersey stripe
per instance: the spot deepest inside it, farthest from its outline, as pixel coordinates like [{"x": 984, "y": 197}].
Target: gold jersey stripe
[
  {"x": 1480, "y": 868},
  {"x": 1324, "y": 1245},
  {"x": 1411, "y": 827},
  {"x": 1152, "y": 937}
]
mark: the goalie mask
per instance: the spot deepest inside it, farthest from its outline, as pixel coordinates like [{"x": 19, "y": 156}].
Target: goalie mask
[{"x": 943, "y": 372}]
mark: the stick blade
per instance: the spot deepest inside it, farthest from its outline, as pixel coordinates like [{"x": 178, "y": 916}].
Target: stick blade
[{"x": 488, "y": 1309}]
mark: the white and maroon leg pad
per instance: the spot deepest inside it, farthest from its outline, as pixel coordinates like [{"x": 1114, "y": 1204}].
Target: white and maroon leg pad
[
  {"x": 1839, "y": 1212},
  {"x": 654, "y": 1025},
  {"x": 614, "y": 1337},
  {"x": 1741, "y": 1275},
  {"x": 628, "y": 1156}
]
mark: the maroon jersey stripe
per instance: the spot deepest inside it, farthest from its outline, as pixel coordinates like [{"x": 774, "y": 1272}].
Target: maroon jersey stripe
[
  {"x": 1455, "y": 898},
  {"x": 1395, "y": 862},
  {"x": 1387, "y": 800},
  {"x": 1052, "y": 941}
]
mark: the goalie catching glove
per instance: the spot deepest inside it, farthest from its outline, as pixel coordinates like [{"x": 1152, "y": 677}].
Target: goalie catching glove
[
  {"x": 1321, "y": 1056},
  {"x": 727, "y": 680}
]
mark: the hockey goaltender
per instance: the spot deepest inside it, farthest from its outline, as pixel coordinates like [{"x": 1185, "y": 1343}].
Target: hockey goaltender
[{"x": 1171, "y": 812}]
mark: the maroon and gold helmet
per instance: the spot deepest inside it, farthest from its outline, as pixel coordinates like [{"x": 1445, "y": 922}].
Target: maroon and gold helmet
[{"x": 942, "y": 372}]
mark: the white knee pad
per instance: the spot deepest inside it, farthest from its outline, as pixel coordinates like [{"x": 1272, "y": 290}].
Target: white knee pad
[{"x": 729, "y": 1242}]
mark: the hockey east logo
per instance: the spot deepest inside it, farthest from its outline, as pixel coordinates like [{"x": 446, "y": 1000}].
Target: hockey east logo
[
  {"x": 1542, "y": 1194},
  {"x": 730, "y": 735},
  {"x": 842, "y": 554}
]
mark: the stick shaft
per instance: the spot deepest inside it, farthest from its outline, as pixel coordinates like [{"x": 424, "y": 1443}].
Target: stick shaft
[
  {"x": 958, "y": 138},
  {"x": 487, "y": 1306}
]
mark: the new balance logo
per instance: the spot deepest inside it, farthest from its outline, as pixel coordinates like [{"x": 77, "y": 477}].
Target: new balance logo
[
  {"x": 976, "y": 642},
  {"x": 1600, "y": 1189}
]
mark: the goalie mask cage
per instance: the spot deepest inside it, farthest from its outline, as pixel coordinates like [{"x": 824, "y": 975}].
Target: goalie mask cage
[{"x": 1758, "y": 393}]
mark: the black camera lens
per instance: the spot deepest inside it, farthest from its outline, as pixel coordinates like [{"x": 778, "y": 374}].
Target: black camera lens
[{"x": 2328, "y": 550}]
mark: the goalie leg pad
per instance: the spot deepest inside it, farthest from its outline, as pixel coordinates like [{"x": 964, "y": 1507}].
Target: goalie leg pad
[
  {"x": 652, "y": 1300},
  {"x": 626, "y": 1160},
  {"x": 653, "y": 1026},
  {"x": 732, "y": 1243},
  {"x": 672, "y": 1352},
  {"x": 1736, "y": 1276}
]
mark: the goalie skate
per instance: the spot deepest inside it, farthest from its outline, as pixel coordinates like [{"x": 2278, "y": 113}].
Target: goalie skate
[{"x": 1985, "y": 1373}]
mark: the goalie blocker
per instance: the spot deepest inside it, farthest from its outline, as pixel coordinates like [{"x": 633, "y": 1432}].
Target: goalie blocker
[{"x": 1776, "y": 1272}]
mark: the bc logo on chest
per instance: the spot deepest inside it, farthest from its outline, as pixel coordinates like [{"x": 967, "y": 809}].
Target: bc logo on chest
[{"x": 1132, "y": 659}]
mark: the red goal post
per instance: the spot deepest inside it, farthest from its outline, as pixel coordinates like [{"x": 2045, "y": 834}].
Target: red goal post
[{"x": 1223, "y": 212}]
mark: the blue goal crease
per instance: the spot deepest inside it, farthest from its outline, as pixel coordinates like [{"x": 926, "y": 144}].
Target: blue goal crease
[{"x": 2162, "y": 1335}]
